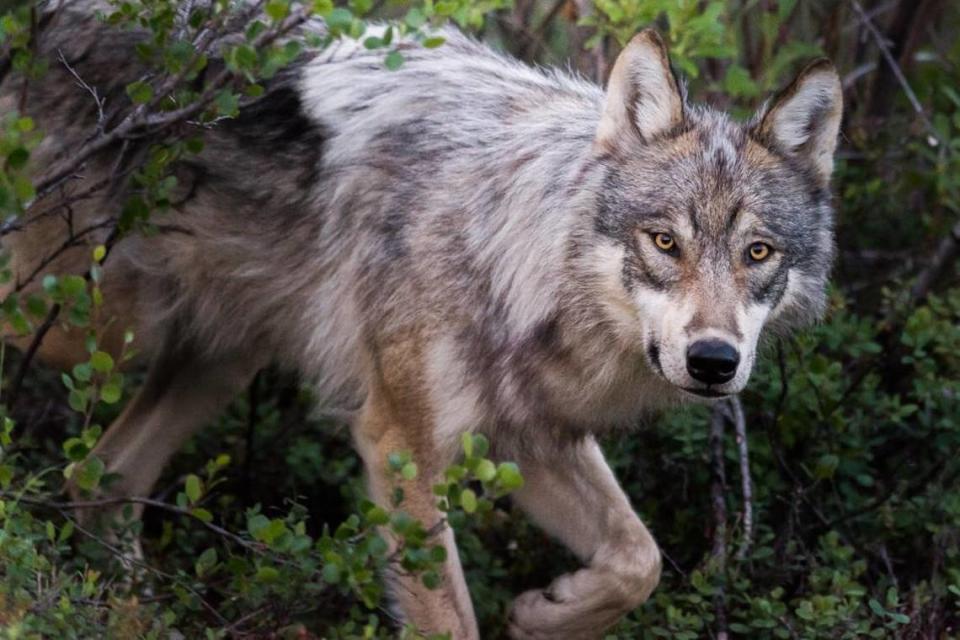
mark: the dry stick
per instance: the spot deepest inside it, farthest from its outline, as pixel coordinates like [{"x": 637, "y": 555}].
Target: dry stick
[
  {"x": 945, "y": 254},
  {"x": 17, "y": 224},
  {"x": 29, "y": 355},
  {"x": 718, "y": 487},
  {"x": 746, "y": 486},
  {"x": 86, "y": 87},
  {"x": 146, "y": 502},
  {"x": 69, "y": 243},
  {"x": 895, "y": 67}
]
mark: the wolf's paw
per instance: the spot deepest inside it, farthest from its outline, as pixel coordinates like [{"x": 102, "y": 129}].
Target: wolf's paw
[{"x": 539, "y": 615}]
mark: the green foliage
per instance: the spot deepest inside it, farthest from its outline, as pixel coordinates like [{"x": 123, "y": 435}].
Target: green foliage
[{"x": 695, "y": 30}]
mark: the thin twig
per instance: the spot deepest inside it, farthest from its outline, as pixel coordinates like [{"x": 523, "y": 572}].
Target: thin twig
[
  {"x": 943, "y": 257},
  {"x": 718, "y": 488},
  {"x": 895, "y": 68},
  {"x": 146, "y": 502},
  {"x": 85, "y": 86},
  {"x": 746, "y": 487},
  {"x": 69, "y": 243},
  {"x": 30, "y": 353}
]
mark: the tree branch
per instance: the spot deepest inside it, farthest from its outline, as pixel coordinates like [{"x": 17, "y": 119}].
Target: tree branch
[
  {"x": 746, "y": 487},
  {"x": 718, "y": 488}
]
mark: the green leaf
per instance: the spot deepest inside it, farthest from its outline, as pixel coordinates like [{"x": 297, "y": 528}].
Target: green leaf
[
  {"x": 206, "y": 562},
  {"x": 377, "y": 516},
  {"x": 393, "y": 60},
  {"x": 256, "y": 524},
  {"x": 87, "y": 474},
  {"x": 6, "y": 475},
  {"x": 267, "y": 574},
  {"x": 17, "y": 159},
  {"x": 277, "y": 10},
  {"x": 201, "y": 514},
  {"x": 468, "y": 500},
  {"x": 409, "y": 471},
  {"x": 397, "y": 459},
  {"x": 431, "y": 579},
  {"x": 826, "y": 466},
  {"x": 227, "y": 103},
  {"x": 83, "y": 372},
  {"x": 485, "y": 471},
  {"x": 415, "y": 18},
  {"x": 140, "y": 92},
  {"x": 339, "y": 20},
  {"x": 101, "y": 361},
  {"x": 509, "y": 477},
  {"x": 331, "y": 573},
  {"x": 193, "y": 488},
  {"x": 434, "y": 41},
  {"x": 111, "y": 393},
  {"x": 245, "y": 57},
  {"x": 66, "y": 531},
  {"x": 77, "y": 400}
]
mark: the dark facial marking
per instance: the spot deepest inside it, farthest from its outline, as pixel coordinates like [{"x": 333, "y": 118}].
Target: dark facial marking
[
  {"x": 770, "y": 290},
  {"x": 653, "y": 353},
  {"x": 637, "y": 271}
]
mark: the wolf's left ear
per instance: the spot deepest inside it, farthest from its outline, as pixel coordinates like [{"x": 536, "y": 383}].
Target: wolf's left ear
[
  {"x": 804, "y": 119},
  {"x": 643, "y": 97}
]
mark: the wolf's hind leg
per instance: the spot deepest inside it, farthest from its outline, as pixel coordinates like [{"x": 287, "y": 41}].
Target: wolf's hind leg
[
  {"x": 182, "y": 392},
  {"x": 574, "y": 496},
  {"x": 392, "y": 422}
]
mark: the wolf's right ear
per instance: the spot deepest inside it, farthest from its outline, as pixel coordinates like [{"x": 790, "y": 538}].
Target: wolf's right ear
[
  {"x": 804, "y": 119},
  {"x": 643, "y": 97}
]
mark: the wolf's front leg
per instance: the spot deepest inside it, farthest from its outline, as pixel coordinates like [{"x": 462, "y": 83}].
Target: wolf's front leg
[
  {"x": 389, "y": 424},
  {"x": 574, "y": 496}
]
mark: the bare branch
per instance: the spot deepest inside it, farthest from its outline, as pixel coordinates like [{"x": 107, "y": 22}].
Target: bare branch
[
  {"x": 86, "y": 87},
  {"x": 895, "y": 67},
  {"x": 943, "y": 257},
  {"x": 746, "y": 486},
  {"x": 718, "y": 488}
]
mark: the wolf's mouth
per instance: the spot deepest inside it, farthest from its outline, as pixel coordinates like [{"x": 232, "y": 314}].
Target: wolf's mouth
[{"x": 706, "y": 393}]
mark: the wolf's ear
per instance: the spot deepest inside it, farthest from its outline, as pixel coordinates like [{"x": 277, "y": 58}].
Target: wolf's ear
[
  {"x": 804, "y": 118},
  {"x": 643, "y": 98}
]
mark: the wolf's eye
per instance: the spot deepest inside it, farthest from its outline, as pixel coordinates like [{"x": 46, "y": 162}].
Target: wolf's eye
[
  {"x": 665, "y": 242},
  {"x": 759, "y": 251}
]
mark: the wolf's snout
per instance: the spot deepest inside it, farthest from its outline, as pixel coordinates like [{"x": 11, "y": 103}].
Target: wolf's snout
[{"x": 712, "y": 361}]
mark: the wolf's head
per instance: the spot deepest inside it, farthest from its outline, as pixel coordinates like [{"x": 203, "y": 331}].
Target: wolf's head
[{"x": 711, "y": 229}]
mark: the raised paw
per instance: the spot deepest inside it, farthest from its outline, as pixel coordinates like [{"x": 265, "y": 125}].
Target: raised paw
[{"x": 540, "y": 615}]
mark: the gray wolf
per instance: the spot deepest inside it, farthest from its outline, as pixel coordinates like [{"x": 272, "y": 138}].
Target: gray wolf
[{"x": 464, "y": 244}]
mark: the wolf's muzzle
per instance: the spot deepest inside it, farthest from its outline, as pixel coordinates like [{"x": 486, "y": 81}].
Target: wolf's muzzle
[{"x": 712, "y": 361}]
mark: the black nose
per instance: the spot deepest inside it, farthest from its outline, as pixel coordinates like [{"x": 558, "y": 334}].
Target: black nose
[{"x": 712, "y": 361}]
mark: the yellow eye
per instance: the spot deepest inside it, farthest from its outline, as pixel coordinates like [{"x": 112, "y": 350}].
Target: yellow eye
[
  {"x": 664, "y": 242},
  {"x": 759, "y": 251}
]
